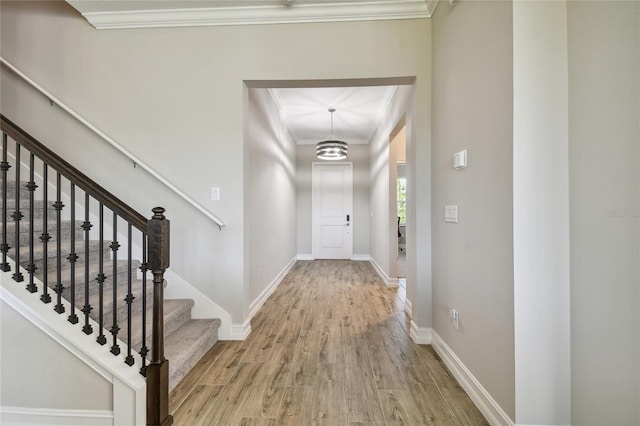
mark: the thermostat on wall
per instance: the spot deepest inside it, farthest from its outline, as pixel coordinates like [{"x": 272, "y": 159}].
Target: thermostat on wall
[{"x": 460, "y": 160}]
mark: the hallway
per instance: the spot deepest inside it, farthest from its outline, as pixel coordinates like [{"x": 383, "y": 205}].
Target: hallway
[{"x": 330, "y": 346}]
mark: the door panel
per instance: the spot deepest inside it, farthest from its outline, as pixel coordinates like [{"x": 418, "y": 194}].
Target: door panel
[{"x": 332, "y": 200}]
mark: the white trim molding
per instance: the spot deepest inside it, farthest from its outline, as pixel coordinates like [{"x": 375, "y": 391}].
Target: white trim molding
[
  {"x": 241, "y": 331},
  {"x": 14, "y": 416},
  {"x": 361, "y": 257},
  {"x": 408, "y": 307},
  {"x": 155, "y": 14},
  {"x": 389, "y": 282},
  {"x": 420, "y": 335},
  {"x": 255, "y": 306},
  {"x": 489, "y": 408},
  {"x": 304, "y": 256}
]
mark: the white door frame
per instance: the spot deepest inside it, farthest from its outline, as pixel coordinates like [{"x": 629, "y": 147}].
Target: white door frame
[{"x": 313, "y": 203}]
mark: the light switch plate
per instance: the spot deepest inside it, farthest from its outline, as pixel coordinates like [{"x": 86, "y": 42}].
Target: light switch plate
[
  {"x": 451, "y": 214},
  {"x": 215, "y": 194},
  {"x": 460, "y": 160}
]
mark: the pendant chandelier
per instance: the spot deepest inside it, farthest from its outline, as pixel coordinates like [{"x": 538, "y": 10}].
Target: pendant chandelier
[{"x": 331, "y": 148}]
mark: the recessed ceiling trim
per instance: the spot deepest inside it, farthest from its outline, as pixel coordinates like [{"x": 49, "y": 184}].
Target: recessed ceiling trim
[
  {"x": 352, "y": 141},
  {"x": 280, "y": 108},
  {"x": 247, "y": 15}
]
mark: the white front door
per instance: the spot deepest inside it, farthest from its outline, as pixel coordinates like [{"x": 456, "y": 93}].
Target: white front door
[{"x": 332, "y": 210}]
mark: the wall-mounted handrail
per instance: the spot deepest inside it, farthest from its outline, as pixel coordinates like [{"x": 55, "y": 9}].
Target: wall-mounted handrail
[
  {"x": 76, "y": 176},
  {"x": 136, "y": 161}
]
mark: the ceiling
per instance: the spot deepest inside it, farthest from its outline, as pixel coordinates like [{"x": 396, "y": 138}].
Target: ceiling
[
  {"x": 358, "y": 111},
  {"x": 115, "y": 14}
]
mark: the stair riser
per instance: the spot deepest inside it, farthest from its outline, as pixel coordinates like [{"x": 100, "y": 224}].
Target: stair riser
[
  {"x": 11, "y": 189},
  {"x": 38, "y": 211},
  {"x": 94, "y": 254},
  {"x": 122, "y": 310},
  {"x": 172, "y": 322},
  {"x": 205, "y": 341},
  {"x": 65, "y": 232},
  {"x": 24, "y": 238},
  {"x": 107, "y": 305},
  {"x": 121, "y": 279}
]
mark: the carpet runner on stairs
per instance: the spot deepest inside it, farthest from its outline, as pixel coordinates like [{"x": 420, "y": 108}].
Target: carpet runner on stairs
[{"x": 186, "y": 339}]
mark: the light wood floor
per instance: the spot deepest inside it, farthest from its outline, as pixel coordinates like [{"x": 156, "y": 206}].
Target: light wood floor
[{"x": 329, "y": 347}]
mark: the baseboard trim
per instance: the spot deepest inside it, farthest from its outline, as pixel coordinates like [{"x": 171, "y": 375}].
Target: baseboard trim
[
  {"x": 241, "y": 331},
  {"x": 47, "y": 416},
  {"x": 361, "y": 257},
  {"x": 304, "y": 256},
  {"x": 389, "y": 282},
  {"x": 408, "y": 307},
  {"x": 494, "y": 414},
  {"x": 420, "y": 335},
  {"x": 255, "y": 306}
]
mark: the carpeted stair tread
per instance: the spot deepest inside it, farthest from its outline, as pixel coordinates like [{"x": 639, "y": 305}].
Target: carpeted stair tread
[
  {"x": 176, "y": 313},
  {"x": 65, "y": 231},
  {"x": 38, "y": 210},
  {"x": 185, "y": 346},
  {"x": 107, "y": 267},
  {"x": 65, "y": 250},
  {"x": 37, "y": 226}
]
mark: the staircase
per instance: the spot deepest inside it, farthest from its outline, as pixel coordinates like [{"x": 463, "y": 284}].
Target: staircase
[{"x": 96, "y": 276}]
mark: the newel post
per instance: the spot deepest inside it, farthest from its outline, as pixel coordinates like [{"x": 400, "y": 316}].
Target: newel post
[{"x": 158, "y": 368}]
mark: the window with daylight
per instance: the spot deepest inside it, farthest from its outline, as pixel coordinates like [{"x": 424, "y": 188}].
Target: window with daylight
[{"x": 402, "y": 200}]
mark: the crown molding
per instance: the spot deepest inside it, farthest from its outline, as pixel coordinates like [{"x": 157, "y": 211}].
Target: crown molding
[{"x": 338, "y": 11}]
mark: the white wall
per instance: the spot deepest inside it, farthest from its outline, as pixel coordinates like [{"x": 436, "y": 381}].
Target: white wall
[
  {"x": 541, "y": 213},
  {"x": 473, "y": 259},
  {"x": 37, "y": 372},
  {"x": 359, "y": 156},
  {"x": 272, "y": 193},
  {"x": 175, "y": 97},
  {"x": 380, "y": 175},
  {"x": 604, "y": 150}
]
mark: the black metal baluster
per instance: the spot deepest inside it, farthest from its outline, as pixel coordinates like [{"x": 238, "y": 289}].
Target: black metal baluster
[
  {"x": 45, "y": 237},
  {"x": 144, "y": 350},
  {"x": 4, "y": 166},
  {"x": 115, "y": 348},
  {"x": 130, "y": 298},
  {"x": 59, "y": 308},
  {"x": 72, "y": 257},
  {"x": 31, "y": 186},
  {"x": 17, "y": 216},
  {"x": 100, "y": 278},
  {"x": 86, "y": 226}
]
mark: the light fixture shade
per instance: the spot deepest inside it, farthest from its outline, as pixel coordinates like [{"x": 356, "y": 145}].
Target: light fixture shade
[{"x": 331, "y": 150}]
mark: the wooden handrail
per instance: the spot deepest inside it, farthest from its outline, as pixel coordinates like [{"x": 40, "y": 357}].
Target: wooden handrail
[{"x": 74, "y": 175}]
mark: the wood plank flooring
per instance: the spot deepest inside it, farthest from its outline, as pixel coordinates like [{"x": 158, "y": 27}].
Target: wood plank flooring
[{"x": 329, "y": 347}]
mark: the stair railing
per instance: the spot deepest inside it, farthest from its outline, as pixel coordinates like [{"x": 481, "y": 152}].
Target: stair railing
[{"x": 92, "y": 274}]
